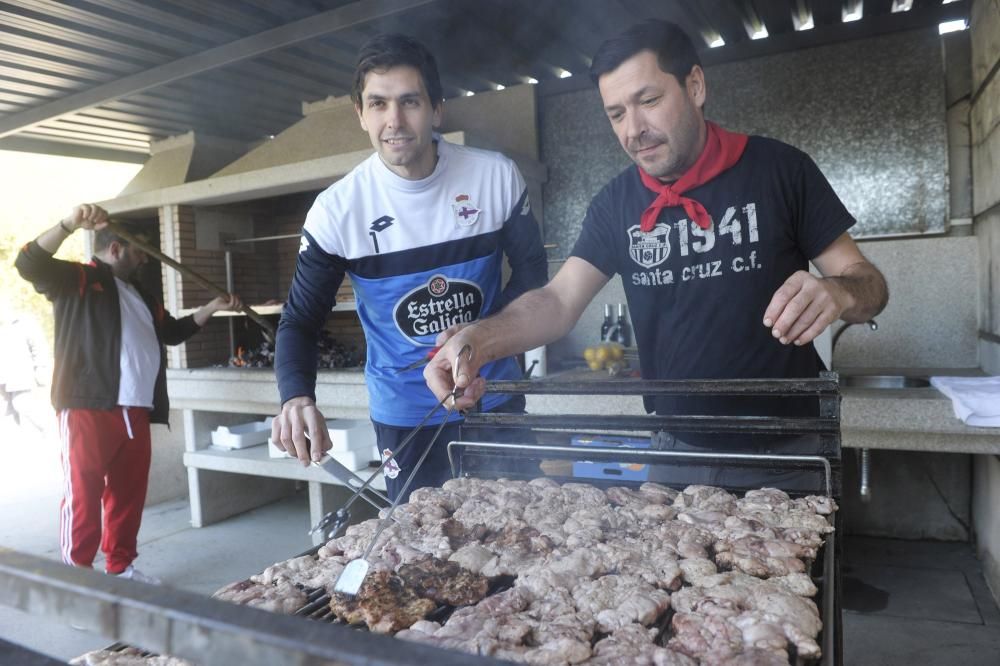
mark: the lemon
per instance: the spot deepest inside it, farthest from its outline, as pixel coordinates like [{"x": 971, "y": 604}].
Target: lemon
[
  {"x": 601, "y": 354},
  {"x": 595, "y": 365},
  {"x": 588, "y": 354}
]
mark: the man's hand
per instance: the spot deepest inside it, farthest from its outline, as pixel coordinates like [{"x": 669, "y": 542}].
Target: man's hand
[
  {"x": 804, "y": 306},
  {"x": 227, "y": 302},
  {"x": 440, "y": 373},
  {"x": 448, "y": 333},
  {"x": 86, "y": 216},
  {"x": 300, "y": 429}
]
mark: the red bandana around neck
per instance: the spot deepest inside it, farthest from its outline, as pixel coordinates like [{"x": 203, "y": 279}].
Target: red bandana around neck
[{"x": 722, "y": 150}]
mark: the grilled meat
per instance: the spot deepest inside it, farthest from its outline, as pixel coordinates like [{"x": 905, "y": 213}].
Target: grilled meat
[
  {"x": 444, "y": 582},
  {"x": 616, "y": 601},
  {"x": 127, "y": 657},
  {"x": 281, "y": 597},
  {"x": 384, "y": 603},
  {"x": 658, "y": 494},
  {"x": 306, "y": 571},
  {"x": 762, "y": 557},
  {"x": 633, "y": 645},
  {"x": 708, "y": 498},
  {"x": 557, "y": 653},
  {"x": 593, "y": 571},
  {"x": 708, "y": 638},
  {"x": 756, "y": 657},
  {"x": 475, "y": 558}
]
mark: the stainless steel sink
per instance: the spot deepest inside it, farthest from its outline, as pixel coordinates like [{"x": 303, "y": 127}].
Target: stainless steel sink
[{"x": 883, "y": 381}]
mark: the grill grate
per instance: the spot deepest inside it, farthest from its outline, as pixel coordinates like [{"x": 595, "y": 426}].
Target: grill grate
[{"x": 317, "y": 608}]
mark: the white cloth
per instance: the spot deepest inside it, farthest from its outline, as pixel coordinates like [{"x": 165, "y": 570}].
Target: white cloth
[
  {"x": 140, "y": 353},
  {"x": 976, "y": 400}
]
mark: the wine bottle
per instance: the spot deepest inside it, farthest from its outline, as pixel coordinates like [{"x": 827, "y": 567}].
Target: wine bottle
[
  {"x": 606, "y": 326},
  {"x": 623, "y": 332}
]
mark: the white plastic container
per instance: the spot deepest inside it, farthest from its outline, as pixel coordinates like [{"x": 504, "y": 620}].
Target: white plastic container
[
  {"x": 351, "y": 434},
  {"x": 354, "y": 438},
  {"x": 356, "y": 459},
  {"x": 241, "y": 436}
]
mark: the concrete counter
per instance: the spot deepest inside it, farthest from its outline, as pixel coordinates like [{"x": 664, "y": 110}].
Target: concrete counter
[
  {"x": 915, "y": 429},
  {"x": 913, "y": 419},
  {"x": 339, "y": 393}
]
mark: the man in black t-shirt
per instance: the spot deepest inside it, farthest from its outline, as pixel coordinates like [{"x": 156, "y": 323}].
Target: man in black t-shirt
[{"x": 711, "y": 231}]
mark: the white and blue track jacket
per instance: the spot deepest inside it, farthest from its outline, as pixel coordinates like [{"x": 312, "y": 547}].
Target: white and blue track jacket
[{"x": 422, "y": 255}]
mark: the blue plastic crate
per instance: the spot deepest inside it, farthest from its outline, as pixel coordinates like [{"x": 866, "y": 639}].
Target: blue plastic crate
[{"x": 586, "y": 469}]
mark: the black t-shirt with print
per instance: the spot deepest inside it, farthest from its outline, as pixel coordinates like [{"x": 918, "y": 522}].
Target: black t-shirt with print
[{"x": 697, "y": 297}]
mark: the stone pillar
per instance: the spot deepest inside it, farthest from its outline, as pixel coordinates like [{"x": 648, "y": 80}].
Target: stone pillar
[
  {"x": 984, "y": 119},
  {"x": 984, "y": 115},
  {"x": 173, "y": 283},
  {"x": 958, "y": 90}
]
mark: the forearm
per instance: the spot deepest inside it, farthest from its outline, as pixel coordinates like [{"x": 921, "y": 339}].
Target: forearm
[
  {"x": 203, "y": 314},
  {"x": 295, "y": 361},
  {"x": 866, "y": 290},
  {"x": 51, "y": 239}
]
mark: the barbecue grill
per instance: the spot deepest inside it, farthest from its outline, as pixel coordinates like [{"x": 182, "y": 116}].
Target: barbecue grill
[
  {"x": 213, "y": 632},
  {"x": 819, "y": 434}
]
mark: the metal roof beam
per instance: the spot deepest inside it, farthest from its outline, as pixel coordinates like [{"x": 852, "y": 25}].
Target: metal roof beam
[
  {"x": 62, "y": 148},
  {"x": 823, "y": 34},
  {"x": 241, "y": 49}
]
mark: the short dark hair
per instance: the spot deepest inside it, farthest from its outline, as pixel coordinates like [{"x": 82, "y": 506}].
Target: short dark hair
[
  {"x": 674, "y": 50},
  {"x": 106, "y": 236},
  {"x": 383, "y": 52}
]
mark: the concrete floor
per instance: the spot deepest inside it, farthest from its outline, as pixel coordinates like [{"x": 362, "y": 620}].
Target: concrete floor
[
  {"x": 917, "y": 602},
  {"x": 906, "y": 603},
  {"x": 196, "y": 560}
]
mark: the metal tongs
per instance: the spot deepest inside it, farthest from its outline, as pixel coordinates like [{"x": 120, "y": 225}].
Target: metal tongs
[
  {"x": 353, "y": 575},
  {"x": 335, "y": 521}
]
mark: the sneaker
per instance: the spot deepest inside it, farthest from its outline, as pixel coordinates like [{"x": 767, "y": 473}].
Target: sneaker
[{"x": 134, "y": 574}]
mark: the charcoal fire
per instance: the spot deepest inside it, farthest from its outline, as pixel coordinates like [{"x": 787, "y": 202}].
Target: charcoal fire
[{"x": 331, "y": 354}]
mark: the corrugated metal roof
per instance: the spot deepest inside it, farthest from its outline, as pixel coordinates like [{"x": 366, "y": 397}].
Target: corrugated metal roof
[{"x": 109, "y": 76}]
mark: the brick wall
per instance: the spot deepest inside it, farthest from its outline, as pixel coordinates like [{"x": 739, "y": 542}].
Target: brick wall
[{"x": 262, "y": 272}]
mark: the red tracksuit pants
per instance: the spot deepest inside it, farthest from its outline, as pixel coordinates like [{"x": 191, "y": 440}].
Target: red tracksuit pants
[{"x": 105, "y": 459}]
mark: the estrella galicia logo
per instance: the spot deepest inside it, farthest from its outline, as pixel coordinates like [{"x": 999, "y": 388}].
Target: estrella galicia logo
[
  {"x": 433, "y": 307},
  {"x": 649, "y": 249},
  {"x": 438, "y": 286}
]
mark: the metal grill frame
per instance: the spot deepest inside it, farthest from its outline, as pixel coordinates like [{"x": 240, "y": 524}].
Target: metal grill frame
[{"x": 826, "y": 425}]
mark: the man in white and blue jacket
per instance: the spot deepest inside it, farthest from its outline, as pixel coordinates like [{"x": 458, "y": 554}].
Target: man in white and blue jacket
[{"x": 421, "y": 227}]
